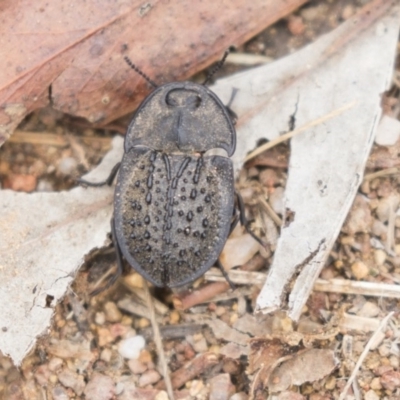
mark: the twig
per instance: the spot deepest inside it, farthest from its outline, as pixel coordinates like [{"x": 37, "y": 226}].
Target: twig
[
  {"x": 383, "y": 172},
  {"x": 270, "y": 211},
  {"x": 183, "y": 301},
  {"x": 158, "y": 341},
  {"x": 52, "y": 139},
  {"x": 321, "y": 285},
  {"x": 364, "y": 354},
  {"x": 356, "y": 287},
  {"x": 295, "y": 132}
]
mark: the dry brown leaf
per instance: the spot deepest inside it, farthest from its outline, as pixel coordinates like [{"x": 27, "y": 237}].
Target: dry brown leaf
[
  {"x": 305, "y": 366},
  {"x": 71, "y": 53}
]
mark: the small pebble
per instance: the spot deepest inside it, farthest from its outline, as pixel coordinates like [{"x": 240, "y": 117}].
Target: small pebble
[
  {"x": 106, "y": 355},
  {"x": 162, "y": 395},
  {"x": 137, "y": 367},
  {"x": 44, "y": 186},
  {"x": 369, "y": 310},
  {"x": 99, "y": 387},
  {"x": 221, "y": 387},
  {"x": 55, "y": 364},
  {"x": 174, "y": 317},
  {"x": 386, "y": 206},
  {"x": 376, "y": 384},
  {"x": 72, "y": 380},
  {"x": 23, "y": 183},
  {"x": 384, "y": 350},
  {"x": 359, "y": 270},
  {"x": 390, "y": 380},
  {"x": 67, "y": 166},
  {"x": 145, "y": 357},
  {"x": 59, "y": 393},
  {"x": 276, "y": 200},
  {"x": 149, "y": 377},
  {"x": 379, "y": 257},
  {"x": 200, "y": 346},
  {"x": 100, "y": 318},
  {"x": 239, "y": 396},
  {"x": 130, "y": 348},
  {"x": 371, "y": 395},
  {"x": 295, "y": 25},
  {"x": 143, "y": 323},
  {"x": 112, "y": 312},
  {"x": 196, "y": 387}
]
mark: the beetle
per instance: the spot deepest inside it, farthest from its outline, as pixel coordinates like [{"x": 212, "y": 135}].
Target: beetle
[{"x": 174, "y": 204}]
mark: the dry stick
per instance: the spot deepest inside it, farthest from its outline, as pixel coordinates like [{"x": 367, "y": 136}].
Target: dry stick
[
  {"x": 274, "y": 216},
  {"x": 383, "y": 172},
  {"x": 295, "y": 132},
  {"x": 346, "y": 286},
  {"x": 158, "y": 341},
  {"x": 364, "y": 354}
]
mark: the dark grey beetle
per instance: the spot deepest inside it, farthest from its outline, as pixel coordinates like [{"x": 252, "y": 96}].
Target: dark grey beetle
[{"x": 174, "y": 205}]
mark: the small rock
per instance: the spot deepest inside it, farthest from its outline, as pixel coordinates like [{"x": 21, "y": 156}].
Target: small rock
[
  {"x": 386, "y": 206},
  {"x": 376, "y": 384},
  {"x": 149, "y": 377},
  {"x": 384, "y": 350},
  {"x": 59, "y": 393},
  {"x": 360, "y": 217},
  {"x": 72, "y": 380},
  {"x": 106, "y": 355},
  {"x": 388, "y": 131},
  {"x": 268, "y": 178},
  {"x": 359, "y": 270},
  {"x": 100, "y": 318},
  {"x": 221, "y": 387},
  {"x": 44, "y": 186},
  {"x": 143, "y": 323},
  {"x": 295, "y": 25},
  {"x": 369, "y": 309},
  {"x": 130, "y": 348},
  {"x": 100, "y": 387},
  {"x": 239, "y": 396},
  {"x": 390, "y": 380},
  {"x": 276, "y": 200},
  {"x": 371, "y": 395},
  {"x": 23, "y": 183},
  {"x": 378, "y": 228},
  {"x": 200, "y": 346},
  {"x": 67, "y": 166},
  {"x": 137, "y": 367},
  {"x": 112, "y": 312},
  {"x": 55, "y": 364},
  {"x": 174, "y": 317},
  {"x": 379, "y": 257},
  {"x": 161, "y": 395},
  {"x": 196, "y": 387}
]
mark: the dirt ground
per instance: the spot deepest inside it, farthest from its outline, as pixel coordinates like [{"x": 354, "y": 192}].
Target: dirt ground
[{"x": 89, "y": 352}]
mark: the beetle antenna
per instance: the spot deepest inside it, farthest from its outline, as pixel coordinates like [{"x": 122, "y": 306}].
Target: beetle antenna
[
  {"x": 217, "y": 67},
  {"x": 142, "y": 74}
]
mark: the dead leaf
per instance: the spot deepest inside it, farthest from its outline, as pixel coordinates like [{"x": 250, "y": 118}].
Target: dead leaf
[
  {"x": 305, "y": 366},
  {"x": 71, "y": 54},
  {"x": 43, "y": 240}
]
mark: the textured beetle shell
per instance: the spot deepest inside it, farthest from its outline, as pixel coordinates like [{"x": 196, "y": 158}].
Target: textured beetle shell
[
  {"x": 173, "y": 213},
  {"x": 186, "y": 128}
]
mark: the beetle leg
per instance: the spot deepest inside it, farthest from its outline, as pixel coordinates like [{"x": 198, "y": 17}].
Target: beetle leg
[
  {"x": 120, "y": 267},
  {"x": 232, "y": 113},
  {"x": 243, "y": 220},
  {"x": 109, "y": 181},
  {"x": 225, "y": 275}
]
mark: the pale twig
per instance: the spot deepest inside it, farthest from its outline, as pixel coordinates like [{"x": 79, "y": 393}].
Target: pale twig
[
  {"x": 158, "y": 341},
  {"x": 295, "y": 132},
  {"x": 270, "y": 211},
  {"x": 383, "y": 172},
  {"x": 364, "y": 354}
]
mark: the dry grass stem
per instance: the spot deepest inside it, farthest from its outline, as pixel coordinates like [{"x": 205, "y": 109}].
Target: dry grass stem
[
  {"x": 295, "y": 132},
  {"x": 364, "y": 354},
  {"x": 158, "y": 341}
]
